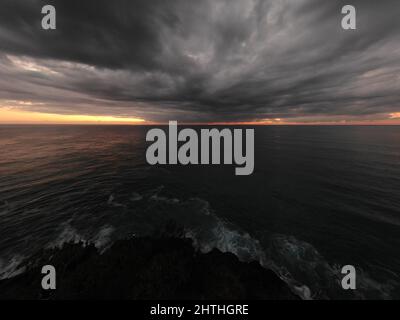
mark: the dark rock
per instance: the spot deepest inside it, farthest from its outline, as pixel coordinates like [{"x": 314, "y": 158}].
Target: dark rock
[{"x": 145, "y": 268}]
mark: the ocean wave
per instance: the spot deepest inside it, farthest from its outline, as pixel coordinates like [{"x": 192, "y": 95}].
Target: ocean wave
[
  {"x": 135, "y": 197},
  {"x": 67, "y": 235},
  {"x": 370, "y": 288},
  {"x": 296, "y": 262},
  {"x": 164, "y": 199},
  {"x": 11, "y": 267},
  {"x": 300, "y": 260},
  {"x": 111, "y": 202},
  {"x": 152, "y": 195},
  {"x": 224, "y": 237},
  {"x": 101, "y": 238},
  {"x": 208, "y": 231},
  {"x": 4, "y": 207}
]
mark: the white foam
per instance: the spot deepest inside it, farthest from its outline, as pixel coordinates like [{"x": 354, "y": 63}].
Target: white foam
[
  {"x": 158, "y": 198},
  {"x": 292, "y": 258},
  {"x": 11, "y": 267},
  {"x": 227, "y": 239},
  {"x": 103, "y": 237},
  {"x": 67, "y": 235}
]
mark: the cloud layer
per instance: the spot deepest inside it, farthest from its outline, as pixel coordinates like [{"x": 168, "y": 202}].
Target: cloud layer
[{"x": 206, "y": 60}]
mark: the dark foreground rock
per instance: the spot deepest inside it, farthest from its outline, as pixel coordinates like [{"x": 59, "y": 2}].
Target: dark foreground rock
[{"x": 145, "y": 268}]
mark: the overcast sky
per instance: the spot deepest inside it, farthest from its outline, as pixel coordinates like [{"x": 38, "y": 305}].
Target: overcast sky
[{"x": 202, "y": 60}]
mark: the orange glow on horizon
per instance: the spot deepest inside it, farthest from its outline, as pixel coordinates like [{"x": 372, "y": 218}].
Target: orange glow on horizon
[
  {"x": 15, "y": 116},
  {"x": 18, "y": 116}
]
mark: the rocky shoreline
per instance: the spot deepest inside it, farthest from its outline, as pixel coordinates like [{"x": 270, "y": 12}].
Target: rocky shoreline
[{"x": 145, "y": 268}]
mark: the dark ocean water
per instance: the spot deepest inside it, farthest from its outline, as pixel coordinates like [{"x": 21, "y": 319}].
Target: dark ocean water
[{"x": 319, "y": 198}]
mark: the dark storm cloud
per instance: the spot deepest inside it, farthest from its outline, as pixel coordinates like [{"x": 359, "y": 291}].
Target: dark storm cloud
[{"x": 219, "y": 60}]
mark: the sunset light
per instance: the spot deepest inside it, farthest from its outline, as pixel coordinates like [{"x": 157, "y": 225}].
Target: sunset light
[{"x": 13, "y": 116}]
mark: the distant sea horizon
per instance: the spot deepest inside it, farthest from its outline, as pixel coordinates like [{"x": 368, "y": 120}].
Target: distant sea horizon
[{"x": 228, "y": 124}]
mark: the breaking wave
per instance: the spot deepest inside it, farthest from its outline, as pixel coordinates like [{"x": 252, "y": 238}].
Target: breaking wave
[
  {"x": 11, "y": 267},
  {"x": 101, "y": 239},
  {"x": 297, "y": 262},
  {"x": 208, "y": 231}
]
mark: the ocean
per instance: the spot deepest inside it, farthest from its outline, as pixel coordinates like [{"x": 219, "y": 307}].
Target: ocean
[{"x": 320, "y": 198}]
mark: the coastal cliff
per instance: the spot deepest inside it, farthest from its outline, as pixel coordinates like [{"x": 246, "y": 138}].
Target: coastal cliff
[{"x": 144, "y": 268}]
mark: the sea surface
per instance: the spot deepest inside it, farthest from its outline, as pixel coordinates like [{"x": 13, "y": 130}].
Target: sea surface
[{"x": 320, "y": 197}]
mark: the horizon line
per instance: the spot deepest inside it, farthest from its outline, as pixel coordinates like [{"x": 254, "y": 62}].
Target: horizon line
[{"x": 338, "y": 124}]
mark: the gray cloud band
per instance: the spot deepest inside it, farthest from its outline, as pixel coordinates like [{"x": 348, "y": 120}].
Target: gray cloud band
[{"x": 210, "y": 60}]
